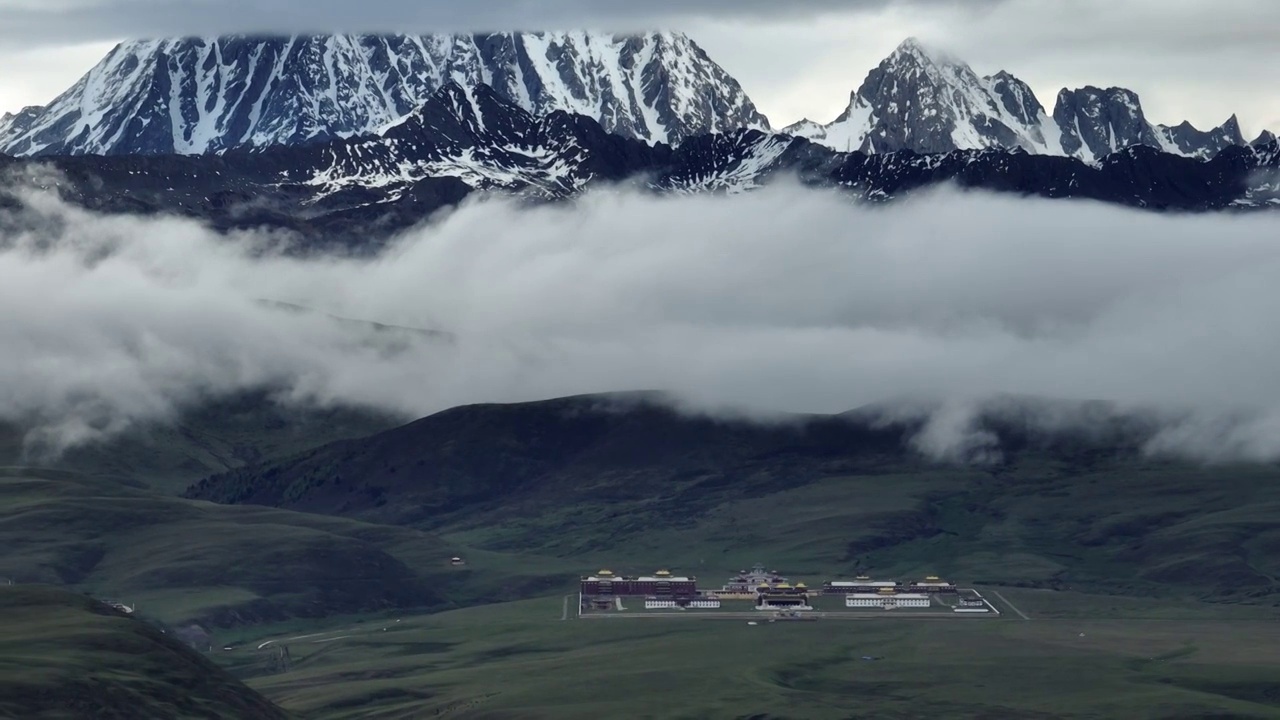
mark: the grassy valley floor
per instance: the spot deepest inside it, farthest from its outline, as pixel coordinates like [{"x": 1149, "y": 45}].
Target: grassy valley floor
[{"x": 1078, "y": 656}]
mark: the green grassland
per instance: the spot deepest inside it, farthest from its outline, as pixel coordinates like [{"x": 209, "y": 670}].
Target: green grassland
[
  {"x": 1170, "y": 570},
  {"x": 639, "y": 486},
  {"x": 1143, "y": 529},
  {"x": 64, "y": 656},
  {"x": 519, "y": 660},
  {"x": 188, "y": 561}
]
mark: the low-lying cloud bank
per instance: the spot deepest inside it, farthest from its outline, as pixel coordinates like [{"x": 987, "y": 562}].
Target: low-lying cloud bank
[{"x": 783, "y": 299}]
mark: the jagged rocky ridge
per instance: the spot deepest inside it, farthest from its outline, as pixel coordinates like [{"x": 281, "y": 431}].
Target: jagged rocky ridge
[
  {"x": 194, "y": 95},
  {"x": 462, "y": 140},
  {"x": 927, "y": 101}
]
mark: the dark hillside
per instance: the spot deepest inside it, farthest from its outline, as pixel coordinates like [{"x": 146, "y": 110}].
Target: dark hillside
[
  {"x": 182, "y": 561},
  {"x": 515, "y": 459},
  {"x": 64, "y": 655}
]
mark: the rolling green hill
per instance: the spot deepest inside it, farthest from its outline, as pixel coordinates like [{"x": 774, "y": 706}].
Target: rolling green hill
[
  {"x": 519, "y": 461},
  {"x": 188, "y": 561},
  {"x": 1170, "y": 567},
  {"x": 63, "y": 655},
  {"x": 623, "y": 480}
]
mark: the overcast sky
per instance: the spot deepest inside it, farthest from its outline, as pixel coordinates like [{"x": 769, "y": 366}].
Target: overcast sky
[{"x": 1199, "y": 60}]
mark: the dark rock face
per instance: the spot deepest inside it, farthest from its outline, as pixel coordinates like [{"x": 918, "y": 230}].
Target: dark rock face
[
  {"x": 910, "y": 97},
  {"x": 1097, "y": 122},
  {"x": 1265, "y": 138},
  {"x": 14, "y": 124},
  {"x": 927, "y": 102},
  {"x": 195, "y": 95},
  {"x": 1017, "y": 98},
  {"x": 1187, "y": 140},
  {"x": 356, "y": 192}
]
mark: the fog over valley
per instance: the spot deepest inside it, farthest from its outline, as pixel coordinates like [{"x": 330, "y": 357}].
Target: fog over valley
[{"x": 780, "y": 300}]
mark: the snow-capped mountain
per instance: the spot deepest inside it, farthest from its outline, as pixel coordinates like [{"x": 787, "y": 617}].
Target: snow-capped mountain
[
  {"x": 927, "y": 101},
  {"x": 488, "y": 143},
  {"x": 194, "y": 95},
  {"x": 356, "y": 192},
  {"x": 1185, "y": 139},
  {"x": 14, "y": 124},
  {"x": 477, "y": 136},
  {"x": 1096, "y": 122}
]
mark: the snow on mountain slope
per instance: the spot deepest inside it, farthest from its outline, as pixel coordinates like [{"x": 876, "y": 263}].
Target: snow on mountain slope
[
  {"x": 1185, "y": 139},
  {"x": 849, "y": 132},
  {"x": 929, "y": 102},
  {"x": 1262, "y": 187},
  {"x": 924, "y": 100},
  {"x": 476, "y": 135},
  {"x": 14, "y": 124},
  {"x": 194, "y": 95},
  {"x": 733, "y": 162},
  {"x": 356, "y": 193},
  {"x": 1096, "y": 122}
]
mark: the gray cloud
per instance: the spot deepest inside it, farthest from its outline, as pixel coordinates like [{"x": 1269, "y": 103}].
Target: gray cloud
[
  {"x": 1189, "y": 60},
  {"x": 84, "y": 20},
  {"x": 783, "y": 299}
]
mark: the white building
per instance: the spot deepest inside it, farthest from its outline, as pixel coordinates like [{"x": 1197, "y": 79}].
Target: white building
[
  {"x": 705, "y": 603},
  {"x": 849, "y": 587},
  {"x": 868, "y": 600},
  {"x": 652, "y": 604},
  {"x": 972, "y": 605}
]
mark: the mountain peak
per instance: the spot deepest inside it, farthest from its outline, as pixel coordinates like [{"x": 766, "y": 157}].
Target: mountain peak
[
  {"x": 14, "y": 124},
  {"x": 924, "y": 99},
  {"x": 924, "y": 53},
  {"x": 1096, "y": 122},
  {"x": 911, "y": 44},
  {"x": 207, "y": 95}
]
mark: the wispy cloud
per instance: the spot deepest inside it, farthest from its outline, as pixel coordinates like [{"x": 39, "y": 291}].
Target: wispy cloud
[{"x": 782, "y": 299}]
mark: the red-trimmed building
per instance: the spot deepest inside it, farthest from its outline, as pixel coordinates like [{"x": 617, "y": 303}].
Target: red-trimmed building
[
  {"x": 661, "y": 584},
  {"x": 782, "y": 595}
]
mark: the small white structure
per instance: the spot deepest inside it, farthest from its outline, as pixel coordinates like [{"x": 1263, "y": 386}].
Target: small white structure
[
  {"x": 770, "y": 606},
  {"x": 705, "y": 603},
  {"x": 867, "y": 600},
  {"x": 839, "y": 585},
  {"x": 652, "y": 604}
]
